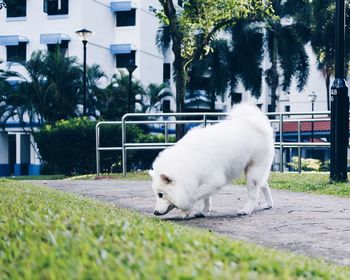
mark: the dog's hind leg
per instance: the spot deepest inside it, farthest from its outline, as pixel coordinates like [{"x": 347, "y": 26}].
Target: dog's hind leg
[
  {"x": 254, "y": 183},
  {"x": 267, "y": 193},
  {"x": 206, "y": 209}
]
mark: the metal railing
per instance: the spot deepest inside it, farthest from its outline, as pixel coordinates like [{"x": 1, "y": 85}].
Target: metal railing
[{"x": 279, "y": 119}]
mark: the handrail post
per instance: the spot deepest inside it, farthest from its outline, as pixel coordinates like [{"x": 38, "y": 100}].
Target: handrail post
[
  {"x": 299, "y": 148},
  {"x": 204, "y": 120},
  {"x": 165, "y": 132},
  {"x": 97, "y": 149},
  {"x": 281, "y": 145},
  {"x": 123, "y": 145}
]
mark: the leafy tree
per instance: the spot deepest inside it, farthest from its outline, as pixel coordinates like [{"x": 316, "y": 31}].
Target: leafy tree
[
  {"x": 322, "y": 39},
  {"x": 193, "y": 27}
]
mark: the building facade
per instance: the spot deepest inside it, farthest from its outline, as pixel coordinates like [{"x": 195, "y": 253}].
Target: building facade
[{"x": 124, "y": 33}]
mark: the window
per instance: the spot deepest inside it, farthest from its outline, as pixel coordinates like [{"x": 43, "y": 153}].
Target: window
[
  {"x": 16, "y": 8},
  {"x": 166, "y": 106},
  {"x": 63, "y": 47},
  {"x": 126, "y": 18},
  {"x": 56, "y": 7},
  {"x": 287, "y": 108},
  {"x": 124, "y": 59},
  {"x": 17, "y": 53},
  {"x": 166, "y": 72}
]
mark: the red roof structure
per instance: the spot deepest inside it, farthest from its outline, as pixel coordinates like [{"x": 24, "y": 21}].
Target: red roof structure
[{"x": 306, "y": 126}]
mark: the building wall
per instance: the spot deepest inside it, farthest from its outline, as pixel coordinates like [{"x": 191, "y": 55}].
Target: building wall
[{"x": 97, "y": 16}]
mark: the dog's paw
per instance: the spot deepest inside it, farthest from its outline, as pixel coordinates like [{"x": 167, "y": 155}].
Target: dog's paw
[
  {"x": 266, "y": 205},
  {"x": 243, "y": 211},
  {"x": 185, "y": 214},
  {"x": 200, "y": 215}
]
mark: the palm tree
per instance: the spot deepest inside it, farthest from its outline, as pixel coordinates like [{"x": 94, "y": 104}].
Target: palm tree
[
  {"x": 322, "y": 39},
  {"x": 245, "y": 57},
  {"x": 51, "y": 91},
  {"x": 11, "y": 104},
  {"x": 63, "y": 76},
  {"x": 155, "y": 94},
  {"x": 286, "y": 46},
  {"x": 94, "y": 79},
  {"x": 112, "y": 102},
  {"x": 211, "y": 73}
]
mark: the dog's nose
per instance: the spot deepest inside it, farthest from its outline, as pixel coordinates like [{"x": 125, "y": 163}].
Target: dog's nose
[{"x": 156, "y": 213}]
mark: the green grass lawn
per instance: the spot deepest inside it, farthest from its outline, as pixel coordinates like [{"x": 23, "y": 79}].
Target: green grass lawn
[
  {"x": 47, "y": 234},
  {"x": 306, "y": 182}
]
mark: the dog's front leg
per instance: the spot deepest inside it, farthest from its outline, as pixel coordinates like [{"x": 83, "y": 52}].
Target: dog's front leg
[
  {"x": 206, "y": 209},
  {"x": 185, "y": 213}
]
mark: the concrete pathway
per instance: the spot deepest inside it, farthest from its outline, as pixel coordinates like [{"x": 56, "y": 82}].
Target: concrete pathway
[{"x": 313, "y": 225}]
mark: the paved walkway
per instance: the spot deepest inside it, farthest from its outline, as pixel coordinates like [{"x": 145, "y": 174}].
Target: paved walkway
[{"x": 313, "y": 225}]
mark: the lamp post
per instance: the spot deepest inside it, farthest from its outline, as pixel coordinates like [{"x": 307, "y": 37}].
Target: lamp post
[
  {"x": 131, "y": 68},
  {"x": 84, "y": 35},
  {"x": 339, "y": 103},
  {"x": 312, "y": 97}
]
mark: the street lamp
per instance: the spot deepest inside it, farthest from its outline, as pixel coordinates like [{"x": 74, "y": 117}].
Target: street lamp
[
  {"x": 312, "y": 97},
  {"x": 339, "y": 103},
  {"x": 131, "y": 68},
  {"x": 84, "y": 35}
]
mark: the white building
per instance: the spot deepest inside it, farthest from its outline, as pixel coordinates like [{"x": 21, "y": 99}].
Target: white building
[{"x": 124, "y": 31}]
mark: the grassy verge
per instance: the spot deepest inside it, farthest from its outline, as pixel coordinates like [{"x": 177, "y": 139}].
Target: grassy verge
[
  {"x": 306, "y": 182},
  {"x": 41, "y": 177},
  {"x": 46, "y": 234}
]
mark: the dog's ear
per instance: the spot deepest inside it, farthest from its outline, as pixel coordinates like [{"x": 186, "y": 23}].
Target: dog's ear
[
  {"x": 165, "y": 179},
  {"x": 151, "y": 173}
]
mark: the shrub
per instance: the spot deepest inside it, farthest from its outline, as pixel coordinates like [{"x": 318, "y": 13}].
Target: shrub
[
  {"x": 307, "y": 164},
  {"x": 68, "y": 147}
]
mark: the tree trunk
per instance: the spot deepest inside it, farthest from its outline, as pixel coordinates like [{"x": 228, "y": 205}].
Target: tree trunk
[
  {"x": 179, "y": 61},
  {"x": 212, "y": 101},
  {"x": 180, "y": 80},
  {"x": 328, "y": 82},
  {"x": 274, "y": 84}
]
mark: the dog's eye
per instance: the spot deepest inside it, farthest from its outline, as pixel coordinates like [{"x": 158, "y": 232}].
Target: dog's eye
[{"x": 160, "y": 195}]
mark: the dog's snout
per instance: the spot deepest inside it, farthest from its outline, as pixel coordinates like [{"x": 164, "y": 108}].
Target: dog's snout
[{"x": 156, "y": 213}]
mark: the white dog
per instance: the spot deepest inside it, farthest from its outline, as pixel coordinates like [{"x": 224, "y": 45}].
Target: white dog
[{"x": 207, "y": 159}]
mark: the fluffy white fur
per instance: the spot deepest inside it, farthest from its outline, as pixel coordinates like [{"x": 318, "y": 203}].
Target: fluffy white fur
[{"x": 207, "y": 159}]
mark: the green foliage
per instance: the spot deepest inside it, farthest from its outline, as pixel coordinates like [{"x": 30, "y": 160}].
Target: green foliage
[
  {"x": 305, "y": 182},
  {"x": 113, "y": 101},
  {"x": 201, "y": 19},
  {"x": 46, "y": 234},
  {"x": 51, "y": 92},
  {"x": 309, "y": 182},
  {"x": 307, "y": 164},
  {"x": 68, "y": 147}
]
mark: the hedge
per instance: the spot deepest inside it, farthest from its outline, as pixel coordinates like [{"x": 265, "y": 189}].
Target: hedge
[{"x": 68, "y": 147}]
